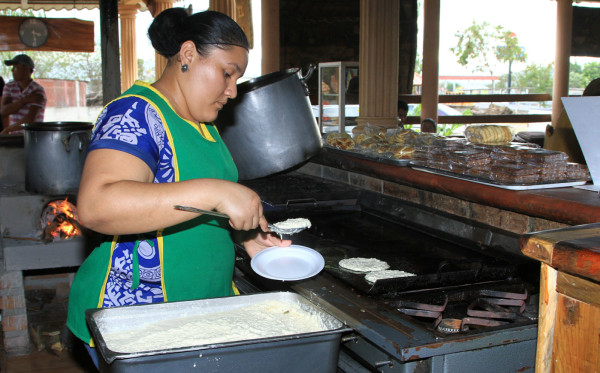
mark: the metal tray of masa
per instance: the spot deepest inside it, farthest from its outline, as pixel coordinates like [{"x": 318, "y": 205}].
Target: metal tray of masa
[{"x": 284, "y": 352}]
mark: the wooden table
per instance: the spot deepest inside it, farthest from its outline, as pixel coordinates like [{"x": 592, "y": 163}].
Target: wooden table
[{"x": 569, "y": 326}]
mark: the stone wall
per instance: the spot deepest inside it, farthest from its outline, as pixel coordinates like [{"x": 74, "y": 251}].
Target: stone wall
[{"x": 501, "y": 219}]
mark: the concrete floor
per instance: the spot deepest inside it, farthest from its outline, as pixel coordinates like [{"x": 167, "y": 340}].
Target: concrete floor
[
  {"x": 66, "y": 361},
  {"x": 47, "y": 312}
]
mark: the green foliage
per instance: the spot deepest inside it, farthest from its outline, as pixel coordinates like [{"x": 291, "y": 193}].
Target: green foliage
[
  {"x": 442, "y": 129},
  {"x": 591, "y": 71},
  {"x": 575, "y": 68},
  {"x": 473, "y": 47},
  {"x": 416, "y": 111},
  {"x": 510, "y": 51},
  {"x": 447, "y": 129},
  {"x": 418, "y": 64},
  {"x": 57, "y": 65},
  {"x": 62, "y": 65},
  {"x": 576, "y": 80},
  {"x": 145, "y": 72},
  {"x": 23, "y": 13},
  {"x": 536, "y": 78},
  {"x": 480, "y": 44}
]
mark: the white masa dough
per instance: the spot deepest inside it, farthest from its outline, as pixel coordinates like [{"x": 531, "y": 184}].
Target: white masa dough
[
  {"x": 261, "y": 320},
  {"x": 388, "y": 273},
  {"x": 293, "y": 223},
  {"x": 363, "y": 264}
]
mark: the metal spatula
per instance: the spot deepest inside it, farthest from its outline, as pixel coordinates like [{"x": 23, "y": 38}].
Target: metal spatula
[{"x": 272, "y": 227}]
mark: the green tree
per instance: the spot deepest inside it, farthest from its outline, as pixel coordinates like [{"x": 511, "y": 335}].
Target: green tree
[
  {"x": 145, "y": 71},
  {"x": 510, "y": 52},
  {"x": 536, "y": 79},
  {"x": 473, "y": 47},
  {"x": 576, "y": 80},
  {"x": 63, "y": 65},
  {"x": 480, "y": 45},
  {"x": 575, "y": 68},
  {"x": 590, "y": 72},
  {"x": 418, "y": 64}
]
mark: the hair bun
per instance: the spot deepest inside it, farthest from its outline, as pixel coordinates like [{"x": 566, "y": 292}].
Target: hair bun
[{"x": 165, "y": 30}]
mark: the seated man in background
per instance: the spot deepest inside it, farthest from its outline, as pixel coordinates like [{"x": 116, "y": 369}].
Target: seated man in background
[
  {"x": 23, "y": 100},
  {"x": 429, "y": 126},
  {"x": 402, "y": 113}
]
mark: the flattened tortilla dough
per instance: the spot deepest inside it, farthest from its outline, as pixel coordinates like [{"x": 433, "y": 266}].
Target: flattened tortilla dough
[
  {"x": 363, "y": 264},
  {"x": 293, "y": 223},
  {"x": 388, "y": 273}
]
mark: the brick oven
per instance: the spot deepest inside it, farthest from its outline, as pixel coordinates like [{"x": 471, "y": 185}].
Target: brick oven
[{"x": 22, "y": 248}]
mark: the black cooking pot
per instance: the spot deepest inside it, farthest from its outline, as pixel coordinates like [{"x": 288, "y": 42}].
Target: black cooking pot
[
  {"x": 270, "y": 126},
  {"x": 54, "y": 156}
]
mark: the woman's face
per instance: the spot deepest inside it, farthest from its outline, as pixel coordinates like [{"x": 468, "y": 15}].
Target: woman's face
[{"x": 212, "y": 81}]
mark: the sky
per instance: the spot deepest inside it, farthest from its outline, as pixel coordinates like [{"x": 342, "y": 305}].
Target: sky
[{"x": 533, "y": 22}]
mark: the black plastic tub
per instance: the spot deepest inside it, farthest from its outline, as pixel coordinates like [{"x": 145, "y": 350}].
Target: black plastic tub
[{"x": 306, "y": 352}]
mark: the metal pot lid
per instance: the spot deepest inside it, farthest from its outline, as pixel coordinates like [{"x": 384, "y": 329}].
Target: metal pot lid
[
  {"x": 264, "y": 80},
  {"x": 57, "y": 126}
]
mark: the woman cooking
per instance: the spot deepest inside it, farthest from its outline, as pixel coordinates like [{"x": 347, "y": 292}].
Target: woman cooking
[{"x": 153, "y": 148}]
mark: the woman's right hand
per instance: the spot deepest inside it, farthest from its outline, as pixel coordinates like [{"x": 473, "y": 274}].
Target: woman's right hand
[{"x": 243, "y": 206}]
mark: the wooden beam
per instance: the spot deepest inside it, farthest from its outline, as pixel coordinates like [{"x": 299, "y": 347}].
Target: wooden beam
[
  {"x": 470, "y": 119},
  {"x": 444, "y": 99},
  {"x": 64, "y": 35}
]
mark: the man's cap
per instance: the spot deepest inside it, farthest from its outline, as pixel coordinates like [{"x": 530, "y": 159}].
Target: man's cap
[{"x": 22, "y": 59}]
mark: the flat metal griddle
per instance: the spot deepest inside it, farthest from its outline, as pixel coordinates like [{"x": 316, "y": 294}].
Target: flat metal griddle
[{"x": 436, "y": 263}]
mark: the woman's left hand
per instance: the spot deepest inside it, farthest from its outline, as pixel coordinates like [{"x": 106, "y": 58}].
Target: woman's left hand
[{"x": 262, "y": 240}]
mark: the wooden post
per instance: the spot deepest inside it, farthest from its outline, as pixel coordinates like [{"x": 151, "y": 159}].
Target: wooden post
[
  {"x": 378, "y": 58},
  {"x": 159, "y": 61},
  {"x": 431, "y": 53},
  {"x": 270, "y": 36},
  {"x": 564, "y": 24},
  {"x": 224, "y": 6},
  {"x": 129, "y": 67},
  {"x": 109, "y": 38}
]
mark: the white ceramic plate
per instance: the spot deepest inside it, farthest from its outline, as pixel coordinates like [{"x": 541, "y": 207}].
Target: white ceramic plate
[{"x": 287, "y": 263}]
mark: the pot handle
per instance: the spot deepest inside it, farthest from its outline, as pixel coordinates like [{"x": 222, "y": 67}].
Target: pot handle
[
  {"x": 67, "y": 140},
  {"x": 303, "y": 79},
  {"x": 309, "y": 72}
]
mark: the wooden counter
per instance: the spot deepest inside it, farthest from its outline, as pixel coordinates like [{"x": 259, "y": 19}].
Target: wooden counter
[
  {"x": 569, "y": 326},
  {"x": 570, "y": 206}
]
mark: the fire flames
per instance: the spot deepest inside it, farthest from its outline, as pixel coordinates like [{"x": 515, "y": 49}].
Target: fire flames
[{"x": 60, "y": 219}]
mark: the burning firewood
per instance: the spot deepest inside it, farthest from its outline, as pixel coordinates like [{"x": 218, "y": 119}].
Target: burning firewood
[{"x": 60, "y": 219}]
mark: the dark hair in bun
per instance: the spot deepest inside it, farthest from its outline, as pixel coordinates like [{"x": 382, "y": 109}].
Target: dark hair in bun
[{"x": 208, "y": 29}]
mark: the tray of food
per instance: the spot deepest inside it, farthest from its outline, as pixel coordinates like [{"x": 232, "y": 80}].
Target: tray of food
[
  {"x": 390, "y": 146},
  {"x": 370, "y": 156},
  {"x": 487, "y": 156},
  {"x": 251, "y": 333},
  {"x": 526, "y": 184}
]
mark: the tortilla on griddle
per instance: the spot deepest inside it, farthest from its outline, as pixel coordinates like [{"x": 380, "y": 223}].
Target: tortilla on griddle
[
  {"x": 363, "y": 264},
  {"x": 371, "y": 277}
]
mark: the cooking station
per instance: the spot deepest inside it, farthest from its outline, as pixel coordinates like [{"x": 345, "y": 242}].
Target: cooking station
[
  {"x": 472, "y": 304},
  {"x": 22, "y": 247}
]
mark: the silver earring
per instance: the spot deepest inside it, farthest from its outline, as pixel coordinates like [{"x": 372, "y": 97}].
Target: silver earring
[{"x": 184, "y": 68}]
